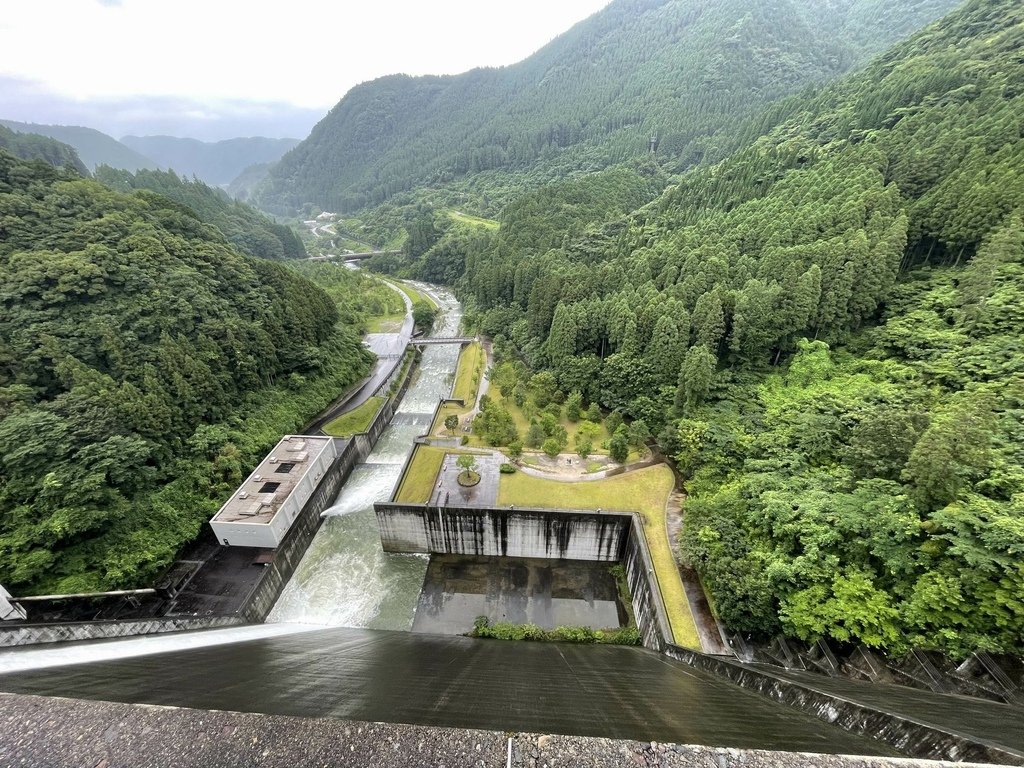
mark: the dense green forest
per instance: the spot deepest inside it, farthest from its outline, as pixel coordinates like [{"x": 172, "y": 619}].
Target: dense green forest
[
  {"x": 684, "y": 71},
  {"x": 247, "y": 229},
  {"x": 824, "y": 330},
  {"x": 145, "y": 364},
  {"x": 94, "y": 147},
  {"x": 218, "y": 163},
  {"x": 32, "y": 146}
]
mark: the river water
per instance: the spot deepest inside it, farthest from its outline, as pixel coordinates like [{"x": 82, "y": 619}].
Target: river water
[{"x": 345, "y": 579}]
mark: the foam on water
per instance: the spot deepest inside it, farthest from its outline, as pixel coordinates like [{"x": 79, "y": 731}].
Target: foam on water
[{"x": 63, "y": 654}]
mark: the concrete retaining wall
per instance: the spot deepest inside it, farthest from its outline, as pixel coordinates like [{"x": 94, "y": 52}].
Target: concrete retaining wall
[
  {"x": 908, "y": 736},
  {"x": 504, "y": 532},
  {"x": 33, "y": 634},
  {"x": 288, "y": 555},
  {"x": 648, "y": 606},
  {"x": 545, "y": 533}
]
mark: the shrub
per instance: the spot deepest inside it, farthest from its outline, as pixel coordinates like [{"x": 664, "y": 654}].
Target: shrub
[{"x": 507, "y": 469}]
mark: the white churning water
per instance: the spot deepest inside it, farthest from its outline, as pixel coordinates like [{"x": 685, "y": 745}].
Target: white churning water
[{"x": 345, "y": 579}]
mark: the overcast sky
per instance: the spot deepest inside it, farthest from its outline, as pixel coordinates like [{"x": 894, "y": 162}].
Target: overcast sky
[{"x": 219, "y": 62}]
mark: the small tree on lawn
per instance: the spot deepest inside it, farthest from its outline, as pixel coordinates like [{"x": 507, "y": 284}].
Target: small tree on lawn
[
  {"x": 551, "y": 447},
  {"x": 594, "y": 413},
  {"x": 515, "y": 449},
  {"x": 535, "y": 436},
  {"x": 583, "y": 446},
  {"x": 619, "y": 446},
  {"x": 613, "y": 422},
  {"x": 574, "y": 406},
  {"x": 451, "y": 423},
  {"x": 467, "y": 463}
]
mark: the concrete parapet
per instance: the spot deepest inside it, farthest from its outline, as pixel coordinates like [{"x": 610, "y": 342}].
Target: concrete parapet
[
  {"x": 34, "y": 634},
  {"x": 114, "y": 734}
]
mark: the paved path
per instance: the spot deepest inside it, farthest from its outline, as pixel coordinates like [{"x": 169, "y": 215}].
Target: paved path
[
  {"x": 388, "y": 347},
  {"x": 703, "y": 619},
  {"x": 449, "y": 493}
]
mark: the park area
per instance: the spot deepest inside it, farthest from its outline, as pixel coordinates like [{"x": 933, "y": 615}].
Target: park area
[{"x": 643, "y": 491}]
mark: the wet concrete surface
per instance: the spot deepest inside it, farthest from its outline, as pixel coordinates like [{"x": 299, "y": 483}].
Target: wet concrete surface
[
  {"x": 448, "y": 492},
  {"x": 53, "y": 733},
  {"x": 608, "y": 691},
  {"x": 996, "y": 723},
  {"x": 548, "y": 593},
  {"x": 221, "y": 585}
]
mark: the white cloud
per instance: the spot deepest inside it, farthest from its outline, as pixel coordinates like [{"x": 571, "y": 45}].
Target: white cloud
[{"x": 304, "y": 52}]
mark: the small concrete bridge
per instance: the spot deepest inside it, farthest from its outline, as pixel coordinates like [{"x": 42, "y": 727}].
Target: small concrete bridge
[{"x": 442, "y": 340}]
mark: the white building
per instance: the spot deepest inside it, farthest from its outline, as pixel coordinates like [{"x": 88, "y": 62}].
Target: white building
[{"x": 261, "y": 511}]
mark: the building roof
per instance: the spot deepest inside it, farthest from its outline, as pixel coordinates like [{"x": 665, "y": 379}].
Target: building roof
[{"x": 259, "y": 498}]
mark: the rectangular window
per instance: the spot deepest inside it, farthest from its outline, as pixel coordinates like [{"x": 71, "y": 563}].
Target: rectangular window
[
  {"x": 285, "y": 468},
  {"x": 269, "y": 487}
]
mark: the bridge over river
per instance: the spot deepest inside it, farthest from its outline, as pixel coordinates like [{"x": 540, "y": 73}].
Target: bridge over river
[{"x": 353, "y": 256}]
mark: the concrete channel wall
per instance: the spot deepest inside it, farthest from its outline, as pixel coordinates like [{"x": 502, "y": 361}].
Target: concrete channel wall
[
  {"x": 35, "y": 634},
  {"x": 288, "y": 555},
  {"x": 502, "y": 531},
  {"x": 909, "y": 736},
  {"x": 648, "y": 606}
]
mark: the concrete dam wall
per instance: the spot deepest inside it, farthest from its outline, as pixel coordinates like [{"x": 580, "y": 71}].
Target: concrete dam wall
[
  {"x": 503, "y": 532},
  {"x": 555, "y": 534}
]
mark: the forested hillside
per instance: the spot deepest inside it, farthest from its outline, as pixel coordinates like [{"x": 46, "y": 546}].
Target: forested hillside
[
  {"x": 217, "y": 163},
  {"x": 246, "y": 228},
  {"x": 93, "y": 147},
  {"x": 684, "y": 71},
  {"x": 32, "y": 146},
  {"x": 144, "y": 365},
  {"x": 824, "y": 331}
]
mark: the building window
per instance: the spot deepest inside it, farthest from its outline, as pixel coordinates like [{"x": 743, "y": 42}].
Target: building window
[
  {"x": 285, "y": 468},
  {"x": 269, "y": 487}
]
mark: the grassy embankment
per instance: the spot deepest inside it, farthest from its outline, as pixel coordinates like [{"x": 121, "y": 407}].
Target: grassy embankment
[
  {"x": 645, "y": 492},
  {"x": 413, "y": 294},
  {"x": 468, "y": 376},
  {"x": 473, "y": 221},
  {"x": 356, "y": 420}
]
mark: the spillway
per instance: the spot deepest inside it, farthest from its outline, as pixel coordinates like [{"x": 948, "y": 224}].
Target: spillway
[
  {"x": 345, "y": 579},
  {"x": 402, "y": 677}
]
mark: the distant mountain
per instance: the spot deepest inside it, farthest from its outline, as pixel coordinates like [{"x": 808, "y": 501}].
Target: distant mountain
[
  {"x": 244, "y": 184},
  {"x": 684, "y": 71},
  {"x": 93, "y": 147},
  {"x": 32, "y": 146},
  {"x": 217, "y": 163},
  {"x": 242, "y": 225}
]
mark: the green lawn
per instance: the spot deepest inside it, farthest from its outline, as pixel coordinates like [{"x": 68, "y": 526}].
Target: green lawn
[
  {"x": 645, "y": 492},
  {"x": 385, "y": 324},
  {"x": 473, "y": 221},
  {"x": 419, "y": 480},
  {"x": 356, "y": 420},
  {"x": 414, "y": 295},
  {"x": 471, "y": 360},
  {"x": 471, "y": 364}
]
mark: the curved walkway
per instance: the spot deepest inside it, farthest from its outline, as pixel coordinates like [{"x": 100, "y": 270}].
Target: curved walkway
[{"x": 526, "y": 469}]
